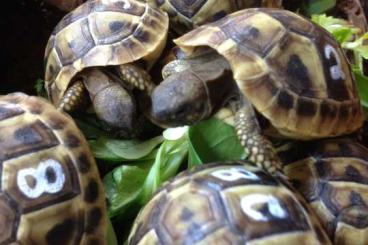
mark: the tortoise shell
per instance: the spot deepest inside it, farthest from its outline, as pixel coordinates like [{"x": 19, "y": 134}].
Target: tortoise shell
[
  {"x": 294, "y": 73},
  {"x": 226, "y": 204},
  {"x": 184, "y": 15},
  {"x": 51, "y": 192},
  {"x": 102, "y": 33},
  {"x": 332, "y": 175}
]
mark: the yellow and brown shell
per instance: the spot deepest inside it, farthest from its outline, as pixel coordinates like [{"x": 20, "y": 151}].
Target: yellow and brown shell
[
  {"x": 226, "y": 204},
  {"x": 187, "y": 14},
  {"x": 102, "y": 33},
  {"x": 293, "y": 72},
  {"x": 51, "y": 192},
  {"x": 332, "y": 175}
]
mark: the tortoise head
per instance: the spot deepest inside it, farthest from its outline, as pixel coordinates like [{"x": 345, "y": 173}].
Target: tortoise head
[{"x": 181, "y": 99}]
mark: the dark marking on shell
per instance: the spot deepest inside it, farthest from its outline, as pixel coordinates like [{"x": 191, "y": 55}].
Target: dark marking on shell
[
  {"x": 306, "y": 107},
  {"x": 219, "y": 15},
  {"x": 27, "y": 135},
  {"x": 298, "y": 77},
  {"x": 94, "y": 217},
  {"x": 188, "y": 8},
  {"x": 8, "y": 112},
  {"x": 344, "y": 112},
  {"x": 116, "y": 26},
  {"x": 71, "y": 140},
  {"x": 353, "y": 174},
  {"x": 62, "y": 233},
  {"x": 84, "y": 164},
  {"x": 56, "y": 121},
  {"x": 91, "y": 191},
  {"x": 186, "y": 214},
  {"x": 285, "y": 100},
  {"x": 320, "y": 235},
  {"x": 159, "y": 2},
  {"x": 142, "y": 35},
  {"x": 325, "y": 195},
  {"x": 356, "y": 199},
  {"x": 328, "y": 110}
]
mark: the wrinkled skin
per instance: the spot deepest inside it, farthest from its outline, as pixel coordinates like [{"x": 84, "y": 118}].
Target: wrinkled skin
[{"x": 192, "y": 91}]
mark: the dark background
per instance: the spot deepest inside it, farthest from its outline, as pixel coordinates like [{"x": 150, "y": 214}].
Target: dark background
[{"x": 25, "y": 27}]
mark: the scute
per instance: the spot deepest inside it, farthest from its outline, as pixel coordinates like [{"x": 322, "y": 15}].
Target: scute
[
  {"x": 332, "y": 175},
  {"x": 102, "y": 33},
  {"x": 312, "y": 92},
  {"x": 231, "y": 202},
  {"x": 41, "y": 154}
]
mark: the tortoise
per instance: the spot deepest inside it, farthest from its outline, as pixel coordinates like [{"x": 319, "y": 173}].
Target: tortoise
[
  {"x": 332, "y": 175},
  {"x": 51, "y": 192},
  {"x": 104, "y": 48},
  {"x": 229, "y": 203},
  {"x": 288, "y": 70},
  {"x": 185, "y": 15}
]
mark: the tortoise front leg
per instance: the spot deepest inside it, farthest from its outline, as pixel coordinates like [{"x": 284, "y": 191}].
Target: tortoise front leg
[
  {"x": 112, "y": 103},
  {"x": 74, "y": 98},
  {"x": 258, "y": 147},
  {"x": 137, "y": 77}
]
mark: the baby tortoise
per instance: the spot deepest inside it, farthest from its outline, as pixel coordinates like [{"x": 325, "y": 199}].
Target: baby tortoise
[
  {"x": 229, "y": 203},
  {"x": 287, "y": 69},
  {"x": 124, "y": 36},
  {"x": 186, "y": 15},
  {"x": 51, "y": 192},
  {"x": 332, "y": 175}
]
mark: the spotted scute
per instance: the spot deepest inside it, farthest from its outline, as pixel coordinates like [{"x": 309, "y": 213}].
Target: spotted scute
[
  {"x": 231, "y": 203},
  {"x": 332, "y": 175},
  {"x": 51, "y": 192}
]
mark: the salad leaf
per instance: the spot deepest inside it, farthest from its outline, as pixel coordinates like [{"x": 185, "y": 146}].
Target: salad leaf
[
  {"x": 123, "y": 150},
  {"x": 319, "y": 6},
  {"x": 170, "y": 156},
  {"x": 40, "y": 88},
  {"x": 111, "y": 237},
  {"x": 214, "y": 140},
  {"x": 124, "y": 184},
  {"x": 360, "y": 46},
  {"x": 341, "y": 29},
  {"x": 362, "y": 84}
]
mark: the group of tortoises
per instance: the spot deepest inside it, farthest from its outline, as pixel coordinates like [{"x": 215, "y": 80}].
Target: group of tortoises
[{"x": 263, "y": 62}]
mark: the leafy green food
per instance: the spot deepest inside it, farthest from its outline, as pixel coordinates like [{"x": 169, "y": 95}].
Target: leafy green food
[
  {"x": 342, "y": 30},
  {"x": 111, "y": 237},
  {"x": 40, "y": 88},
  {"x": 318, "y": 6},
  {"x": 213, "y": 140},
  {"x": 134, "y": 182},
  {"x": 123, "y": 150},
  {"x": 360, "y": 46},
  {"x": 362, "y": 83}
]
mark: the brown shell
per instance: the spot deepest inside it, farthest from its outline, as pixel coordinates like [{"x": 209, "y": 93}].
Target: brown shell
[
  {"x": 184, "y": 15},
  {"x": 226, "y": 204},
  {"x": 102, "y": 33},
  {"x": 293, "y": 72},
  {"x": 51, "y": 192},
  {"x": 332, "y": 175}
]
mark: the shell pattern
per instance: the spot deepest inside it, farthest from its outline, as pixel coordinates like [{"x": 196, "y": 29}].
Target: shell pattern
[
  {"x": 51, "y": 192},
  {"x": 102, "y": 33},
  {"x": 293, "y": 72},
  {"x": 226, "y": 204},
  {"x": 332, "y": 175}
]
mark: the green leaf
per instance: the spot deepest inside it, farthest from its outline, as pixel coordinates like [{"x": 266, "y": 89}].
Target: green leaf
[
  {"x": 319, "y": 6},
  {"x": 360, "y": 46},
  {"x": 111, "y": 237},
  {"x": 213, "y": 141},
  {"x": 362, "y": 84},
  {"x": 123, "y": 150},
  {"x": 124, "y": 184},
  {"x": 170, "y": 156},
  {"x": 341, "y": 29},
  {"x": 40, "y": 88}
]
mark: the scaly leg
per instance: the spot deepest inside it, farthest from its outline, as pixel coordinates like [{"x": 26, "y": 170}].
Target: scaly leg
[
  {"x": 136, "y": 76},
  {"x": 258, "y": 147},
  {"x": 75, "y": 98}
]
